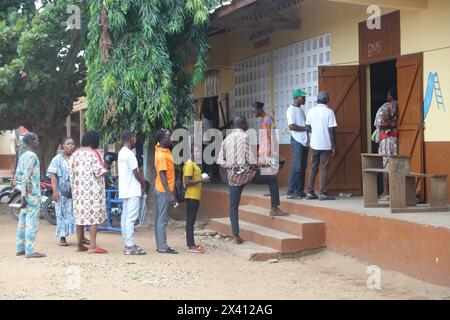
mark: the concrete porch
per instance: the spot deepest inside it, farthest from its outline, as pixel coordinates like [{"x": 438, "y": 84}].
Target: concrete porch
[{"x": 415, "y": 244}]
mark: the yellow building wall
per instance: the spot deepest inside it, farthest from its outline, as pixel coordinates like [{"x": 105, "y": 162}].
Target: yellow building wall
[
  {"x": 437, "y": 122},
  {"x": 426, "y": 30},
  {"x": 421, "y": 30}
]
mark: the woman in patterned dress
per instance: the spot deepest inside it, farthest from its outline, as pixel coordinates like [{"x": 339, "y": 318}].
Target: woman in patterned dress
[
  {"x": 386, "y": 124},
  {"x": 58, "y": 171},
  {"x": 87, "y": 171}
]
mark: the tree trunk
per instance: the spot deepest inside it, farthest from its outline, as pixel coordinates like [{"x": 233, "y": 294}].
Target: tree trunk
[{"x": 48, "y": 147}]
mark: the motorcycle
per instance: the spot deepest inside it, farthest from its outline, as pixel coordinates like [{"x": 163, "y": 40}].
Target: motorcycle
[
  {"x": 47, "y": 203},
  {"x": 5, "y": 193}
]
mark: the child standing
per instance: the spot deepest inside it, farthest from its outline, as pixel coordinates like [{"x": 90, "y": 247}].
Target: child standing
[{"x": 192, "y": 180}]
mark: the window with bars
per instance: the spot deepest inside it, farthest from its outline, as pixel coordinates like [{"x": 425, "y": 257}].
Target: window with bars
[{"x": 296, "y": 67}]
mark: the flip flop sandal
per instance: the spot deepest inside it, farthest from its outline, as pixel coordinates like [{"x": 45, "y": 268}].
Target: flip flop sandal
[
  {"x": 86, "y": 242},
  {"x": 63, "y": 244},
  {"x": 98, "y": 250},
  {"x": 169, "y": 251},
  {"x": 197, "y": 249}
]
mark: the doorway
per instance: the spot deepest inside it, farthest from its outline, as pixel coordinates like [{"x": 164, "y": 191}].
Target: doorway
[{"x": 383, "y": 76}]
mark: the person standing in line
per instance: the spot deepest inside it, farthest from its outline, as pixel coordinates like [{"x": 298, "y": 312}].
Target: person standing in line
[
  {"x": 321, "y": 122},
  {"x": 299, "y": 146},
  {"x": 87, "y": 178},
  {"x": 58, "y": 171},
  {"x": 28, "y": 178},
  {"x": 193, "y": 180},
  {"x": 131, "y": 189},
  {"x": 164, "y": 189}
]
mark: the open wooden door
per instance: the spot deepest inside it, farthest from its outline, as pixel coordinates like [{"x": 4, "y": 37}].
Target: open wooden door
[
  {"x": 343, "y": 85},
  {"x": 410, "y": 112}
]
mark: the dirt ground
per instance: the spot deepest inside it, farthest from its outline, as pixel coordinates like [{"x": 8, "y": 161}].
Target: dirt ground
[{"x": 217, "y": 274}]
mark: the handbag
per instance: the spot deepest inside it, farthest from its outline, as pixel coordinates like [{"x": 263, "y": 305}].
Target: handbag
[
  {"x": 180, "y": 191},
  {"x": 376, "y": 136},
  {"x": 66, "y": 189}
]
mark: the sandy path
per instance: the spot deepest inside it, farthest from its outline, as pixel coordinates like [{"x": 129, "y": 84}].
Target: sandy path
[{"x": 216, "y": 274}]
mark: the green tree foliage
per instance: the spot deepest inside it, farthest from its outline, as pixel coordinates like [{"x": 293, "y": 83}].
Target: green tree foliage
[
  {"x": 144, "y": 56},
  {"x": 41, "y": 69}
]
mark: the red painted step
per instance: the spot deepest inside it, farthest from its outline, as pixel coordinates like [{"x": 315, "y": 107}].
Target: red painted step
[
  {"x": 283, "y": 242},
  {"x": 309, "y": 229}
]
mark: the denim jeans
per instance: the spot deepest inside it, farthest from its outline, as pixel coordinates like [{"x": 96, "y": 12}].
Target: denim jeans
[
  {"x": 130, "y": 214},
  {"x": 161, "y": 220},
  {"x": 298, "y": 168},
  {"x": 236, "y": 193}
]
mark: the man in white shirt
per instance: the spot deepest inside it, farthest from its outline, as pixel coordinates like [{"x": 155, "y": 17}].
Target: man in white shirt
[
  {"x": 299, "y": 145},
  {"x": 131, "y": 188},
  {"x": 321, "y": 122}
]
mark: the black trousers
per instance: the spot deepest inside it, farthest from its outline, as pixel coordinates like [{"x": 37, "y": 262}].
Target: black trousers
[
  {"x": 236, "y": 193},
  {"x": 191, "y": 215}
]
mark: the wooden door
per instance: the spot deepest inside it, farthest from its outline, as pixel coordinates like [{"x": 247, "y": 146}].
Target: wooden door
[
  {"x": 410, "y": 112},
  {"x": 343, "y": 85}
]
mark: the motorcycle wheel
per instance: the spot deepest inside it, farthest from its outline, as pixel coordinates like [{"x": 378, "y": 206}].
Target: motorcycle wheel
[
  {"x": 5, "y": 194},
  {"x": 16, "y": 199},
  {"x": 49, "y": 211}
]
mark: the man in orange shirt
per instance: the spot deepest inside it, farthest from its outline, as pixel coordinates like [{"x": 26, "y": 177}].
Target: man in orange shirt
[{"x": 164, "y": 188}]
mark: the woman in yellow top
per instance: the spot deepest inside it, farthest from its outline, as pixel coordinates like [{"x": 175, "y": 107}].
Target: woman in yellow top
[{"x": 192, "y": 178}]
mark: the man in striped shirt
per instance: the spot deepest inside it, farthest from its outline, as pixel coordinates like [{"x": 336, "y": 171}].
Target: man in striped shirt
[{"x": 239, "y": 156}]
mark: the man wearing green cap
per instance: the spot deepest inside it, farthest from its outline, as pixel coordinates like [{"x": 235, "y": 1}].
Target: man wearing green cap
[{"x": 299, "y": 144}]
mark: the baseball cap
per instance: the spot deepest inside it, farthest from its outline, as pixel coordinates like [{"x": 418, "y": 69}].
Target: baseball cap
[
  {"x": 299, "y": 93},
  {"x": 323, "y": 96}
]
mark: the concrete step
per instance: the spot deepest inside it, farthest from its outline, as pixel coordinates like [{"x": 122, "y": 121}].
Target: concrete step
[
  {"x": 283, "y": 242},
  {"x": 248, "y": 250},
  {"x": 307, "y": 228}
]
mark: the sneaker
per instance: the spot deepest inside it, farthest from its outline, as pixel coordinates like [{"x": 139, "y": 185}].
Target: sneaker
[
  {"x": 326, "y": 198},
  {"x": 302, "y": 194},
  {"x": 276, "y": 212},
  {"x": 134, "y": 251},
  {"x": 20, "y": 253},
  {"x": 294, "y": 197},
  {"x": 237, "y": 240},
  {"x": 311, "y": 196}
]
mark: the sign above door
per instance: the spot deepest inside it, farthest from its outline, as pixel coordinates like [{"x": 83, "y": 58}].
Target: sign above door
[{"x": 377, "y": 44}]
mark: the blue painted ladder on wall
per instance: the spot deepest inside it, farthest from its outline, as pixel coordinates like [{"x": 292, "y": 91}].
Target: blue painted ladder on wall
[
  {"x": 434, "y": 86},
  {"x": 438, "y": 92}
]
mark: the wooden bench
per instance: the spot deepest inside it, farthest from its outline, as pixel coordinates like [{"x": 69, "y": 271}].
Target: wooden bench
[
  {"x": 402, "y": 184},
  {"x": 372, "y": 166},
  {"x": 406, "y": 200}
]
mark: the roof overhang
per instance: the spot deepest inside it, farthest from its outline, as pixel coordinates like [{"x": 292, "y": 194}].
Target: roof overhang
[
  {"x": 79, "y": 105},
  {"x": 254, "y": 14}
]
